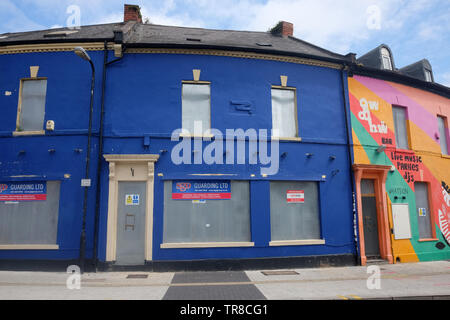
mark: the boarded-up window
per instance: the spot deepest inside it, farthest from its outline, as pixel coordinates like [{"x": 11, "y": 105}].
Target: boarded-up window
[
  {"x": 32, "y": 105},
  {"x": 401, "y": 132},
  {"x": 225, "y": 220},
  {"x": 31, "y": 222},
  {"x": 196, "y": 106},
  {"x": 423, "y": 210},
  {"x": 284, "y": 113},
  {"x": 294, "y": 218}
]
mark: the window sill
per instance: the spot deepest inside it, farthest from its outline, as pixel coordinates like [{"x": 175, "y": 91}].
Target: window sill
[
  {"x": 428, "y": 240},
  {"x": 28, "y": 133},
  {"x": 287, "y": 139},
  {"x": 445, "y": 156},
  {"x": 404, "y": 150},
  {"x": 296, "y": 242},
  {"x": 29, "y": 247},
  {"x": 206, "y": 245},
  {"x": 184, "y": 135}
]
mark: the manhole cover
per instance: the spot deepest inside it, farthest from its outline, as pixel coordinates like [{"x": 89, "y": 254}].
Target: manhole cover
[
  {"x": 280, "y": 273},
  {"x": 137, "y": 276}
]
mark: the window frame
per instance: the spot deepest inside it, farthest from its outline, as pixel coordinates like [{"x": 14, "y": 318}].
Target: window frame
[
  {"x": 386, "y": 54},
  {"x": 408, "y": 137},
  {"x": 297, "y": 138},
  {"x": 428, "y": 73},
  {"x": 431, "y": 209},
  {"x": 18, "y": 132},
  {"x": 208, "y": 244},
  {"x": 300, "y": 242},
  {"x": 446, "y": 136},
  {"x": 192, "y": 135},
  {"x": 40, "y": 246}
]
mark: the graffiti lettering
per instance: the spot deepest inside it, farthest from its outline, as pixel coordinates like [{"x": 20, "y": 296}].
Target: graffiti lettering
[
  {"x": 366, "y": 106},
  {"x": 398, "y": 191},
  {"x": 446, "y": 194},
  {"x": 408, "y": 177}
]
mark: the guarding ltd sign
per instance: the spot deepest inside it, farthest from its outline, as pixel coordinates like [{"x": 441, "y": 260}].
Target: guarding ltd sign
[
  {"x": 23, "y": 191},
  {"x": 201, "y": 190}
]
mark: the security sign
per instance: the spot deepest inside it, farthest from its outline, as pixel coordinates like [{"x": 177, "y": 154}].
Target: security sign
[
  {"x": 132, "y": 200},
  {"x": 23, "y": 191},
  {"x": 201, "y": 190},
  {"x": 295, "y": 196}
]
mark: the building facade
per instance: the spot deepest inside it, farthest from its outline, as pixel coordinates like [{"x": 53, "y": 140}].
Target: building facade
[
  {"x": 400, "y": 135},
  {"x": 212, "y": 149},
  {"x": 208, "y": 148}
]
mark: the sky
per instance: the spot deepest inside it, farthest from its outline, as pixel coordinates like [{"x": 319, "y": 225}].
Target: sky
[{"x": 413, "y": 29}]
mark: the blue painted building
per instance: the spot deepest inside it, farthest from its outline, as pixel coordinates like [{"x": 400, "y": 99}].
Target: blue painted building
[{"x": 267, "y": 177}]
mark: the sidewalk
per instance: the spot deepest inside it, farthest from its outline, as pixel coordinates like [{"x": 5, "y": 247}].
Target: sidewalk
[{"x": 425, "y": 279}]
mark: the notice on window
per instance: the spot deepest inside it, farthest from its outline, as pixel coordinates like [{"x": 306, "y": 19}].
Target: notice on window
[
  {"x": 201, "y": 190},
  {"x": 23, "y": 191},
  {"x": 295, "y": 196},
  {"x": 422, "y": 212},
  {"x": 132, "y": 200}
]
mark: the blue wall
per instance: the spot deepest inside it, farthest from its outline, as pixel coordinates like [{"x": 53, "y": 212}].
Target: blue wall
[
  {"x": 143, "y": 98},
  {"x": 67, "y": 103}
]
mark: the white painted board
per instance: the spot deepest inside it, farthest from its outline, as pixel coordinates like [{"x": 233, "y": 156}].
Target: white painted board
[{"x": 400, "y": 216}]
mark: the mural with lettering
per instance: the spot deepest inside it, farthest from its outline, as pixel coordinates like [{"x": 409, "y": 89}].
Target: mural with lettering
[{"x": 375, "y": 128}]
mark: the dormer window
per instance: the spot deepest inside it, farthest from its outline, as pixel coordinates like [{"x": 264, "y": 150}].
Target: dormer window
[
  {"x": 386, "y": 58},
  {"x": 428, "y": 76}
]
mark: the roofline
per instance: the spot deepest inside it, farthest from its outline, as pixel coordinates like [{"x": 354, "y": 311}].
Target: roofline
[
  {"x": 344, "y": 61},
  {"x": 395, "y": 76}
]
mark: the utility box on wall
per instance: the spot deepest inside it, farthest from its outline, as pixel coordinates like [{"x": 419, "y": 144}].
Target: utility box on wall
[{"x": 400, "y": 217}]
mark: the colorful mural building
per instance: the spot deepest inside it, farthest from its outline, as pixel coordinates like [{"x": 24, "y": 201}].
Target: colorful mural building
[{"x": 400, "y": 127}]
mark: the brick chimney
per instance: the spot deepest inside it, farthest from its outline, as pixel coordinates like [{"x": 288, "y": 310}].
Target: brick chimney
[
  {"x": 132, "y": 13},
  {"x": 283, "y": 28}
]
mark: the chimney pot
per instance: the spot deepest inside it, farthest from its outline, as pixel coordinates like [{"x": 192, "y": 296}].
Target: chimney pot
[{"x": 132, "y": 13}]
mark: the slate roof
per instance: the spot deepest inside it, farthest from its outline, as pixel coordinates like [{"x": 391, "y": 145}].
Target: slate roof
[{"x": 151, "y": 35}]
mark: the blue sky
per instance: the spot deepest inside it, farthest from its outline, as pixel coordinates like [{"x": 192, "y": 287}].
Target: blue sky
[{"x": 414, "y": 29}]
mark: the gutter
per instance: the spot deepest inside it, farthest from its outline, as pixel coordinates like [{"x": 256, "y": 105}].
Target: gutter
[
  {"x": 106, "y": 63},
  {"x": 348, "y": 128}
]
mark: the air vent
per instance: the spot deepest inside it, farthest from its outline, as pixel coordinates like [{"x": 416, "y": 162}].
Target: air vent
[
  {"x": 264, "y": 44},
  {"x": 56, "y": 34},
  {"x": 194, "y": 39},
  {"x": 280, "y": 273},
  {"x": 137, "y": 276}
]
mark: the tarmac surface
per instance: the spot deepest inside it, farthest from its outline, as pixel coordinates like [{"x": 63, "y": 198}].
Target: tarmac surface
[{"x": 424, "y": 280}]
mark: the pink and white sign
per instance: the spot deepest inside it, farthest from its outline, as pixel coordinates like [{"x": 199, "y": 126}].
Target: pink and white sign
[{"x": 295, "y": 196}]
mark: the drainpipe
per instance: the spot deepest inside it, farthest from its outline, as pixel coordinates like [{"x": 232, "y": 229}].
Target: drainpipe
[
  {"x": 350, "y": 155},
  {"x": 117, "y": 38}
]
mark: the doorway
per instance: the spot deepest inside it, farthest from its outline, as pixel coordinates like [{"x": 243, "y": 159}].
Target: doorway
[
  {"x": 373, "y": 222},
  {"x": 370, "y": 219},
  {"x": 130, "y": 209},
  {"x": 131, "y": 223}
]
